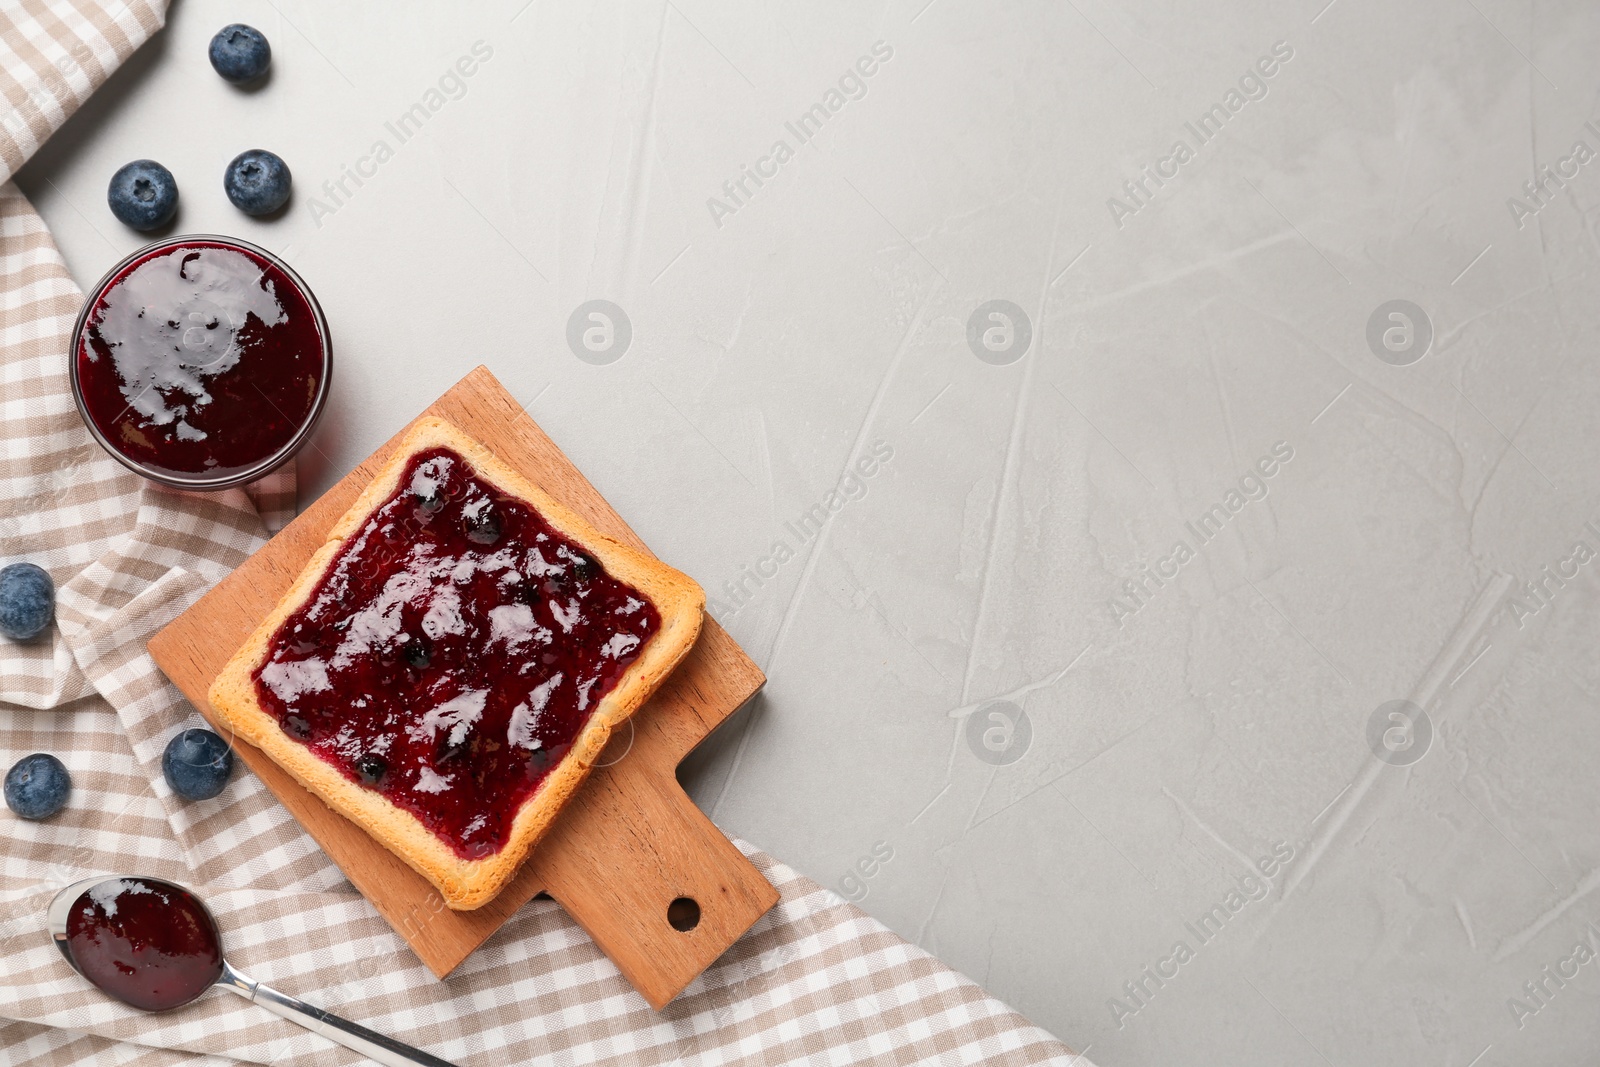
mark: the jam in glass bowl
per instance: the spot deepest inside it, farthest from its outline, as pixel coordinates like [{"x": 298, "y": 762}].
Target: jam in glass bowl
[{"x": 201, "y": 362}]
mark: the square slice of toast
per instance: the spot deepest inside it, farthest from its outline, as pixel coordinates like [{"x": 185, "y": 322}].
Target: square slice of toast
[{"x": 449, "y": 665}]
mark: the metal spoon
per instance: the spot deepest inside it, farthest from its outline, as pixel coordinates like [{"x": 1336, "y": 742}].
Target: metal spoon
[{"x": 190, "y": 909}]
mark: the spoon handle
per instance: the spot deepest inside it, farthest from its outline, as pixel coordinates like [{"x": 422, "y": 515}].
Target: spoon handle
[{"x": 374, "y": 1046}]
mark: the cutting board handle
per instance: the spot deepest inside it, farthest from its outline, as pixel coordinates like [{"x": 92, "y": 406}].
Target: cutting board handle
[{"x": 668, "y": 894}]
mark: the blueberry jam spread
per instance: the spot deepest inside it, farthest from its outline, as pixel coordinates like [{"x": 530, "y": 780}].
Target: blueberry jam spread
[
  {"x": 200, "y": 360},
  {"x": 147, "y": 943},
  {"x": 452, "y": 652}
]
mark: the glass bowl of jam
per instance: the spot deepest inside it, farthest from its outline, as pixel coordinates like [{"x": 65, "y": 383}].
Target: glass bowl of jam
[{"x": 201, "y": 362}]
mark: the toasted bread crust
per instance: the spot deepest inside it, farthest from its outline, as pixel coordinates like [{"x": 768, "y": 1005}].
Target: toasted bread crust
[{"x": 464, "y": 884}]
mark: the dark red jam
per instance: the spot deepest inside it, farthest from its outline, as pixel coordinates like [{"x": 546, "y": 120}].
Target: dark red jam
[
  {"x": 147, "y": 943},
  {"x": 200, "y": 360},
  {"x": 453, "y": 652}
]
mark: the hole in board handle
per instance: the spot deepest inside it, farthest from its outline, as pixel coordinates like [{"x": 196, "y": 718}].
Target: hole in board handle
[{"x": 683, "y": 914}]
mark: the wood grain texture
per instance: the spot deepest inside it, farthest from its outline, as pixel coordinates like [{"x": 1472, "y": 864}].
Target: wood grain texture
[{"x": 627, "y": 845}]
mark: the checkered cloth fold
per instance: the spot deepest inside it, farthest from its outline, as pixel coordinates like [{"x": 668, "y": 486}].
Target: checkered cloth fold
[{"x": 816, "y": 980}]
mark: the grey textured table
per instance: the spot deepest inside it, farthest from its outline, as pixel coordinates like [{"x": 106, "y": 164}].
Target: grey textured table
[{"x": 1150, "y": 447}]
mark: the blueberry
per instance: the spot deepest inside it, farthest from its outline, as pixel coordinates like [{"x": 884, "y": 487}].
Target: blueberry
[
  {"x": 371, "y": 768},
  {"x": 143, "y": 194},
  {"x": 27, "y": 601},
  {"x": 240, "y": 53},
  {"x": 37, "y": 786},
  {"x": 428, "y": 504},
  {"x": 419, "y": 652},
  {"x": 585, "y": 567},
  {"x": 257, "y": 182},
  {"x": 196, "y": 764},
  {"x": 483, "y": 526}
]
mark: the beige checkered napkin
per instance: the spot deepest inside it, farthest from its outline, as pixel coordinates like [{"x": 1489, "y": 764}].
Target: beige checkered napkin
[
  {"x": 815, "y": 981},
  {"x": 53, "y": 54}
]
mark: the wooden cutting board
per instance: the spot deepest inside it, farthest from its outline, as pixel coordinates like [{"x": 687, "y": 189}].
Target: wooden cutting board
[{"x": 629, "y": 844}]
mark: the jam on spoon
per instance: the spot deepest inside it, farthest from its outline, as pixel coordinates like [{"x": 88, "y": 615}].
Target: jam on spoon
[
  {"x": 149, "y": 944},
  {"x": 153, "y": 945}
]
